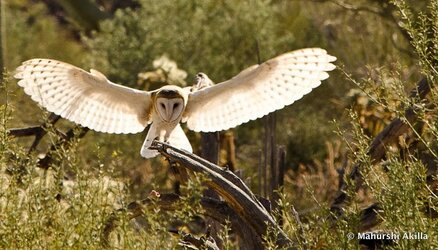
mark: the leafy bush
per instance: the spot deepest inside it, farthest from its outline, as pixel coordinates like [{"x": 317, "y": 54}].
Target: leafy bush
[{"x": 68, "y": 205}]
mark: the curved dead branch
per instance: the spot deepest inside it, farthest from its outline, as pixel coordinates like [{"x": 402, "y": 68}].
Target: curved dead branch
[
  {"x": 248, "y": 217},
  {"x": 236, "y": 193}
]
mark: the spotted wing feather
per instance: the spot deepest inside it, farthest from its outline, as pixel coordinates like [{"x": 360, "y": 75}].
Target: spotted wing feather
[
  {"x": 258, "y": 90},
  {"x": 86, "y": 98}
]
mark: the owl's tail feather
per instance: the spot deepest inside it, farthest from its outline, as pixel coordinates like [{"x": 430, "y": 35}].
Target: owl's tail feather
[{"x": 177, "y": 138}]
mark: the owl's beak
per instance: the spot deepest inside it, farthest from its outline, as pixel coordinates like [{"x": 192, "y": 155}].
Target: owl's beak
[{"x": 169, "y": 112}]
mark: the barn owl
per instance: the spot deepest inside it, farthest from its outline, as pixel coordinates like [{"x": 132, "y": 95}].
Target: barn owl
[{"x": 91, "y": 100}]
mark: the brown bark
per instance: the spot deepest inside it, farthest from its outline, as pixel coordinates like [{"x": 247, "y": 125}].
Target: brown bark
[
  {"x": 270, "y": 156},
  {"x": 231, "y": 151},
  {"x": 210, "y": 146}
]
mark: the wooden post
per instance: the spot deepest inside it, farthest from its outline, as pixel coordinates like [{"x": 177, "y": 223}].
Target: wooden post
[
  {"x": 270, "y": 149},
  {"x": 210, "y": 146},
  {"x": 278, "y": 178},
  {"x": 231, "y": 151},
  {"x": 281, "y": 165},
  {"x": 270, "y": 155}
]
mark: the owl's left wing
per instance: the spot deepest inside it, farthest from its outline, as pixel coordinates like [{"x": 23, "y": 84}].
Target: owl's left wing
[
  {"x": 86, "y": 98},
  {"x": 258, "y": 90}
]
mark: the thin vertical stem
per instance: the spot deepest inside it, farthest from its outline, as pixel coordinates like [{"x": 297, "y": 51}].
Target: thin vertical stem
[
  {"x": 273, "y": 152},
  {"x": 2, "y": 39},
  {"x": 260, "y": 171},
  {"x": 266, "y": 157}
]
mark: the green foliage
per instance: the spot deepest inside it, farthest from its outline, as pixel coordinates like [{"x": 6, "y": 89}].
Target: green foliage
[
  {"x": 401, "y": 184},
  {"x": 31, "y": 33},
  {"x": 218, "y": 38},
  {"x": 40, "y": 209},
  {"x": 84, "y": 14},
  {"x": 422, "y": 29}
]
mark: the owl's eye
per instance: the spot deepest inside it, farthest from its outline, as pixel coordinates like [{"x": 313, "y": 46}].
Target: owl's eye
[
  {"x": 162, "y": 105},
  {"x": 175, "y": 105}
]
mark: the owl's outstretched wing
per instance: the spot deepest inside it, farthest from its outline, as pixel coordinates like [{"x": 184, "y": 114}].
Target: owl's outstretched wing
[
  {"x": 89, "y": 99},
  {"x": 258, "y": 90}
]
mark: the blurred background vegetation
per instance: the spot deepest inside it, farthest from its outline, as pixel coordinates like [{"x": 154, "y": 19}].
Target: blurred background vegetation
[{"x": 382, "y": 47}]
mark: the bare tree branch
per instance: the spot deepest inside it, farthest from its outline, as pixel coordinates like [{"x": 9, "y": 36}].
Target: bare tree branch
[{"x": 40, "y": 131}]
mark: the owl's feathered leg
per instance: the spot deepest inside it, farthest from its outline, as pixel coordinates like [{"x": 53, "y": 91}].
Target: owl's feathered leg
[
  {"x": 175, "y": 137},
  {"x": 150, "y": 137}
]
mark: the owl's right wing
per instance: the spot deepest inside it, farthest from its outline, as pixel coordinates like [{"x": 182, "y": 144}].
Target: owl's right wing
[
  {"x": 257, "y": 90},
  {"x": 86, "y": 98}
]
